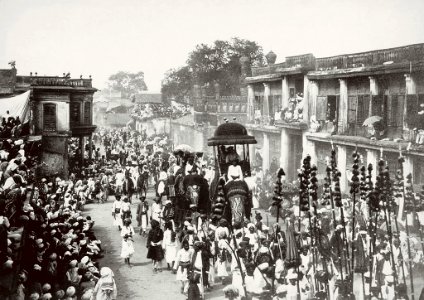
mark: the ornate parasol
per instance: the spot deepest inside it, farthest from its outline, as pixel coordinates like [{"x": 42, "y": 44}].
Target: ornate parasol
[
  {"x": 183, "y": 148},
  {"x": 372, "y": 120}
]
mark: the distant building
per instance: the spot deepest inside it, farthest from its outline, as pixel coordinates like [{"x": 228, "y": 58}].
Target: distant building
[{"x": 60, "y": 108}]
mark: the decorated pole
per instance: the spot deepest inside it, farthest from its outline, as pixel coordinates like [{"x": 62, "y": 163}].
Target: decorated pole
[
  {"x": 363, "y": 187},
  {"x": 277, "y": 200},
  {"x": 278, "y": 192},
  {"x": 304, "y": 205},
  {"x": 313, "y": 191},
  {"x": 408, "y": 207},
  {"x": 337, "y": 201},
  {"x": 373, "y": 208},
  {"x": 354, "y": 189},
  {"x": 398, "y": 194},
  {"x": 382, "y": 191}
]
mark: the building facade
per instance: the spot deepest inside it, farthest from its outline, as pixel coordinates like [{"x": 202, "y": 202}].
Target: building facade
[
  {"x": 60, "y": 108},
  {"x": 309, "y": 105}
]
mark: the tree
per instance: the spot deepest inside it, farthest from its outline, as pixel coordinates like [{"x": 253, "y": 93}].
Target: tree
[
  {"x": 127, "y": 83},
  {"x": 177, "y": 84},
  {"x": 219, "y": 62}
]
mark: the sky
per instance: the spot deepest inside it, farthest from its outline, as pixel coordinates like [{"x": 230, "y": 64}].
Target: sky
[{"x": 102, "y": 37}]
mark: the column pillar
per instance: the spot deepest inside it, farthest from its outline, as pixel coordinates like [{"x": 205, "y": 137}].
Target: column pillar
[
  {"x": 408, "y": 168},
  {"x": 341, "y": 165},
  {"x": 309, "y": 148},
  {"x": 285, "y": 150},
  {"x": 312, "y": 96},
  {"x": 81, "y": 146},
  {"x": 343, "y": 109},
  {"x": 252, "y": 151},
  {"x": 374, "y": 91},
  {"x": 265, "y": 153},
  {"x": 410, "y": 84},
  {"x": 90, "y": 150},
  {"x": 285, "y": 95},
  {"x": 373, "y": 158},
  {"x": 250, "y": 106},
  {"x": 305, "y": 112},
  {"x": 374, "y": 88},
  {"x": 267, "y": 93}
]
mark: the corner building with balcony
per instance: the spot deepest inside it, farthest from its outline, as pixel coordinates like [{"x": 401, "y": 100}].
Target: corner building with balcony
[
  {"x": 325, "y": 102},
  {"x": 60, "y": 108}
]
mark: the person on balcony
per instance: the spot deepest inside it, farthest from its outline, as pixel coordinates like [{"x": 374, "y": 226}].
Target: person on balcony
[
  {"x": 258, "y": 116},
  {"x": 277, "y": 114}
]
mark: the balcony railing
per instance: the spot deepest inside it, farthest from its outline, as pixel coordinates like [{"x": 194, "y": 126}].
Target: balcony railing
[
  {"x": 299, "y": 61},
  {"x": 304, "y": 60},
  {"x": 371, "y": 58},
  {"x": 54, "y": 81},
  {"x": 259, "y": 71}
]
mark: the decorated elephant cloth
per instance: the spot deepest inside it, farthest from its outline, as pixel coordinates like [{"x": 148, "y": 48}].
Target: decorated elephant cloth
[
  {"x": 237, "y": 194},
  {"x": 196, "y": 190}
]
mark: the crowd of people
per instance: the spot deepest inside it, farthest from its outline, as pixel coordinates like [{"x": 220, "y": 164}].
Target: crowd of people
[
  {"x": 243, "y": 258},
  {"x": 12, "y": 127},
  {"x": 206, "y": 253},
  {"x": 48, "y": 249},
  {"x": 150, "y": 111}
]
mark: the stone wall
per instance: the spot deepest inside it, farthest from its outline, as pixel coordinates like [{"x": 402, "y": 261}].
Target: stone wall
[
  {"x": 54, "y": 156},
  {"x": 154, "y": 126}
]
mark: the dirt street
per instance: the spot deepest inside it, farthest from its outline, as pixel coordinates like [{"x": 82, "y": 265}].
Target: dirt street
[{"x": 138, "y": 281}]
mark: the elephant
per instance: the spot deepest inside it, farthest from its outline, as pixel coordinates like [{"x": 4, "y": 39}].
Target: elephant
[
  {"x": 191, "y": 195},
  {"x": 232, "y": 200}
]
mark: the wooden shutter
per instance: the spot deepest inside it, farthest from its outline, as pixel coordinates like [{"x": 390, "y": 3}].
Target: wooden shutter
[
  {"x": 75, "y": 113},
  {"x": 49, "y": 117},
  {"x": 87, "y": 113},
  {"x": 352, "y": 105},
  {"x": 411, "y": 111},
  {"x": 271, "y": 105},
  {"x": 377, "y": 102},
  {"x": 321, "y": 108},
  {"x": 363, "y": 109},
  {"x": 396, "y": 110}
]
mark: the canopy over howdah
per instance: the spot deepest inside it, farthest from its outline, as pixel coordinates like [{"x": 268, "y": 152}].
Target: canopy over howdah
[{"x": 230, "y": 134}]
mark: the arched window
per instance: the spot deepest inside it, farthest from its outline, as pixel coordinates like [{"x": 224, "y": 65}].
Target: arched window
[{"x": 49, "y": 117}]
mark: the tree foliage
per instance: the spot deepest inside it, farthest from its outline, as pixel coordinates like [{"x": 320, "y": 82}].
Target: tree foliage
[
  {"x": 127, "y": 83},
  {"x": 208, "y": 64},
  {"x": 177, "y": 83}
]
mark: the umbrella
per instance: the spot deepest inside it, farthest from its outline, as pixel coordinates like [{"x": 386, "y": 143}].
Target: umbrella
[
  {"x": 184, "y": 148},
  {"x": 372, "y": 120}
]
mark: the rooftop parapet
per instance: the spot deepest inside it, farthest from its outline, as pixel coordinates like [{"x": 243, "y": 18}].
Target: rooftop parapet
[{"x": 402, "y": 54}]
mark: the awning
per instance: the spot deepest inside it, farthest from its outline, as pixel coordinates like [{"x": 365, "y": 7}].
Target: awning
[{"x": 17, "y": 106}]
